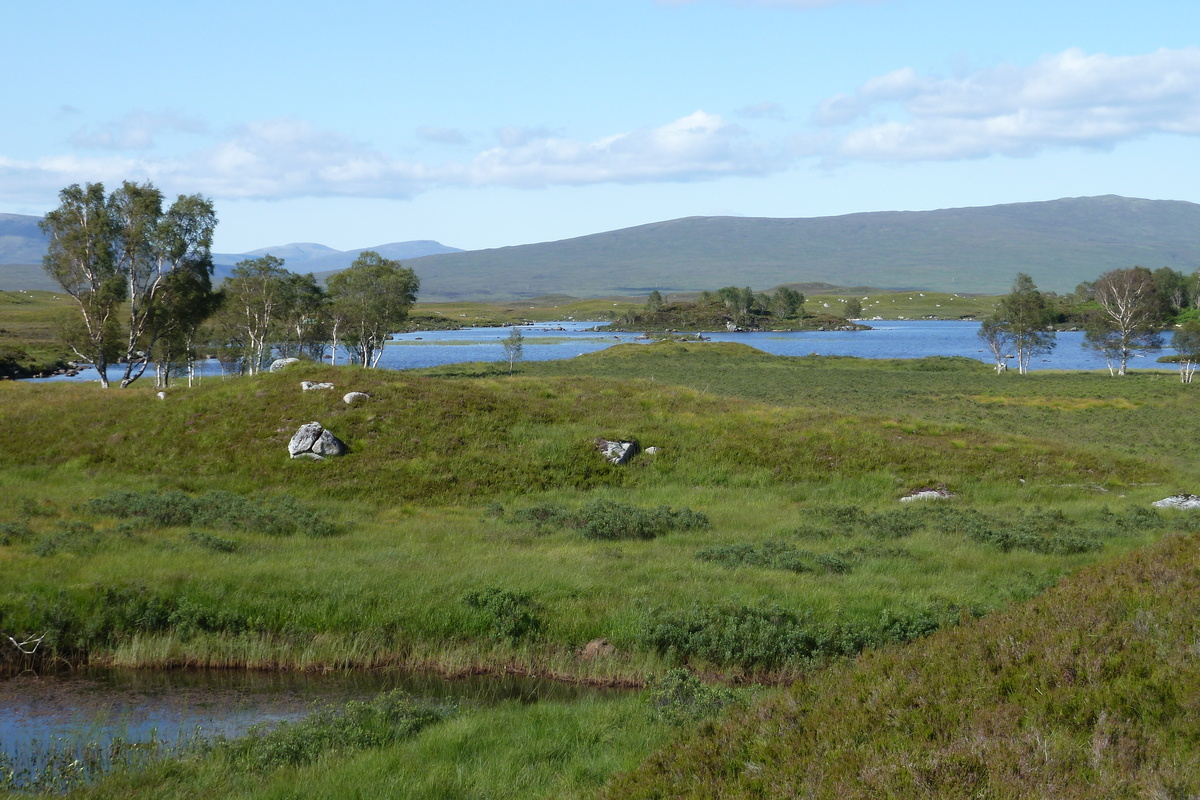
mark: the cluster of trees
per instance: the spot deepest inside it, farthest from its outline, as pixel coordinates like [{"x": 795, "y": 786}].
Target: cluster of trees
[
  {"x": 742, "y": 307},
  {"x": 142, "y": 279},
  {"x": 1123, "y": 313},
  {"x": 746, "y": 304}
]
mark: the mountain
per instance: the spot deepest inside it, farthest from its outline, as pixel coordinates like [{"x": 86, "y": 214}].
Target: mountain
[
  {"x": 22, "y": 246},
  {"x": 317, "y": 258},
  {"x": 970, "y": 250}
]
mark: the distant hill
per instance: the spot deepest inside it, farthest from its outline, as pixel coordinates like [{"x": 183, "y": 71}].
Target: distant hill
[
  {"x": 318, "y": 258},
  {"x": 968, "y": 250},
  {"x": 22, "y": 246},
  {"x": 1059, "y": 242}
]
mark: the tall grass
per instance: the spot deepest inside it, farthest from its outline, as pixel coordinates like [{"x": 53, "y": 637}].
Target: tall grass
[
  {"x": 1087, "y": 691},
  {"x": 764, "y": 540}
]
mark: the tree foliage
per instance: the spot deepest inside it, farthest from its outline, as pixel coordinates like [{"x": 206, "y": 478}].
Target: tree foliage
[
  {"x": 514, "y": 347},
  {"x": 1128, "y": 317},
  {"x": 80, "y": 258},
  {"x": 257, "y": 292},
  {"x": 118, "y": 255},
  {"x": 373, "y": 296},
  {"x": 1186, "y": 342},
  {"x": 1022, "y": 320}
]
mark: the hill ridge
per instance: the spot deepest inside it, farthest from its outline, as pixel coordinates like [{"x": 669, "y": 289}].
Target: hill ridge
[{"x": 976, "y": 249}]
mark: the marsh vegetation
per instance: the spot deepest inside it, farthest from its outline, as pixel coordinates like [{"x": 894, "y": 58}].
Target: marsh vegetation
[{"x": 473, "y": 528}]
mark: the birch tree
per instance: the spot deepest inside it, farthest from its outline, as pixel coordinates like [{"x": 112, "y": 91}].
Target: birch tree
[
  {"x": 150, "y": 246},
  {"x": 1128, "y": 317},
  {"x": 372, "y": 297},
  {"x": 514, "y": 347},
  {"x": 1186, "y": 341},
  {"x": 1022, "y": 320},
  {"x": 994, "y": 334},
  {"x": 80, "y": 259},
  {"x": 256, "y": 295},
  {"x": 112, "y": 254}
]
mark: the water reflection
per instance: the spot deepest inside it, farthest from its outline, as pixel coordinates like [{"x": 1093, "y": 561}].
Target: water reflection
[
  {"x": 562, "y": 340},
  {"x": 95, "y": 706}
]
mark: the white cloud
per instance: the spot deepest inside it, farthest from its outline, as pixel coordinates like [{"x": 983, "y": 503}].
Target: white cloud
[
  {"x": 285, "y": 158},
  {"x": 437, "y": 135},
  {"x": 1068, "y": 99},
  {"x": 136, "y": 131},
  {"x": 763, "y": 110},
  {"x": 698, "y": 146}
]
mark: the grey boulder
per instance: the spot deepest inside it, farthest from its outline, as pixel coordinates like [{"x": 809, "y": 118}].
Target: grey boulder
[
  {"x": 313, "y": 441},
  {"x": 280, "y": 363},
  {"x": 1182, "y": 501},
  {"x": 617, "y": 452}
]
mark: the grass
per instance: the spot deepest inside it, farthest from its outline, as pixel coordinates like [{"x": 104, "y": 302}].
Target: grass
[
  {"x": 474, "y": 527},
  {"x": 28, "y": 342},
  {"x": 1087, "y": 691}
]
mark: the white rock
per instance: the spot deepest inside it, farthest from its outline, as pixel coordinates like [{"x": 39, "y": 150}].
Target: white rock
[
  {"x": 926, "y": 494},
  {"x": 304, "y": 438},
  {"x": 617, "y": 452},
  {"x": 1183, "y": 501},
  {"x": 308, "y": 386},
  {"x": 355, "y": 396},
  {"x": 280, "y": 363}
]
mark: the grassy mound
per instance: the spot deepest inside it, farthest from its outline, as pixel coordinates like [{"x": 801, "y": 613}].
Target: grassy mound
[{"x": 1088, "y": 691}]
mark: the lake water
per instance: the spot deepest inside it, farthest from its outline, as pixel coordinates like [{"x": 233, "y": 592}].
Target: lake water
[
  {"x": 47, "y": 714},
  {"x": 560, "y": 340}
]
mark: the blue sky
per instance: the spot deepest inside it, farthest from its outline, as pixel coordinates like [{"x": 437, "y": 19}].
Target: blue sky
[{"x": 484, "y": 124}]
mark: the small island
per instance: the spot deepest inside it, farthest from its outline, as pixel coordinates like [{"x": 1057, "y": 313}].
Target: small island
[{"x": 732, "y": 309}]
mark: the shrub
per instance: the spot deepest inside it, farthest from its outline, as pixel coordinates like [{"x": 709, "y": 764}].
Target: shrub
[
  {"x": 603, "y": 519},
  {"x": 388, "y": 719},
  {"x": 680, "y": 697},
  {"x": 506, "y": 614},
  {"x": 544, "y": 515},
  {"x": 14, "y": 532},
  {"x": 773, "y": 555},
  {"x": 768, "y": 637},
  {"x": 274, "y": 516},
  {"x": 1037, "y": 531},
  {"x": 75, "y": 537},
  {"x": 76, "y": 623},
  {"x": 210, "y": 542},
  {"x": 607, "y": 520},
  {"x": 889, "y": 524}
]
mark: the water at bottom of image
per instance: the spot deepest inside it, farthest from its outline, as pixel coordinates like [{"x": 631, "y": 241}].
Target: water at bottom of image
[{"x": 59, "y": 731}]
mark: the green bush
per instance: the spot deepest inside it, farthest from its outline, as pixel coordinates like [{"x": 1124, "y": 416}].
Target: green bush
[
  {"x": 506, "y": 615},
  {"x": 75, "y": 623},
  {"x": 1037, "y": 531},
  {"x": 74, "y": 536},
  {"x": 679, "y": 697},
  {"x": 208, "y": 541},
  {"x": 768, "y": 637},
  {"x": 388, "y": 719},
  {"x": 604, "y": 519},
  {"x": 11, "y": 532},
  {"x": 608, "y": 520},
  {"x": 274, "y": 516},
  {"x": 774, "y": 555}
]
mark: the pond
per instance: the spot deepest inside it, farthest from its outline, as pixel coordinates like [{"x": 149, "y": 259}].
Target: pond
[
  {"x": 562, "y": 340},
  {"x": 48, "y": 717}
]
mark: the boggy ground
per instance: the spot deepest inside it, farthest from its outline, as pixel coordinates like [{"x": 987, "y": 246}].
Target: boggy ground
[{"x": 473, "y": 527}]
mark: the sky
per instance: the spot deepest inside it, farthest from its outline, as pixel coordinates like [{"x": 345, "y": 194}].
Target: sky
[{"x": 484, "y": 124}]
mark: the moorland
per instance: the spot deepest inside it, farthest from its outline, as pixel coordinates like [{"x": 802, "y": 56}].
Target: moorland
[{"x": 792, "y": 625}]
